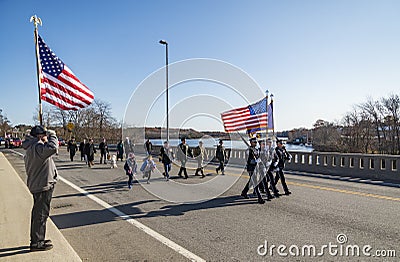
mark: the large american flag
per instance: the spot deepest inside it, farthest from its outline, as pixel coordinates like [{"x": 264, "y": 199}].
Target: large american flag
[
  {"x": 58, "y": 85},
  {"x": 249, "y": 117}
]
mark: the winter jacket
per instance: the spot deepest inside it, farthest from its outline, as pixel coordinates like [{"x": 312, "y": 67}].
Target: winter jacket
[
  {"x": 221, "y": 153},
  {"x": 183, "y": 152},
  {"x": 39, "y": 164},
  {"x": 166, "y": 155},
  {"x": 90, "y": 150},
  {"x": 252, "y": 154}
]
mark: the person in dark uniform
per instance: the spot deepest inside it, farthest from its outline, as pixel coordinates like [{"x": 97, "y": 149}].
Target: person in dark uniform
[
  {"x": 148, "y": 146},
  {"x": 266, "y": 160},
  {"x": 90, "y": 151},
  {"x": 82, "y": 149},
  {"x": 220, "y": 154},
  {"x": 183, "y": 152},
  {"x": 269, "y": 152},
  {"x": 281, "y": 155},
  {"x": 103, "y": 151},
  {"x": 72, "y": 147},
  {"x": 252, "y": 155},
  {"x": 120, "y": 150}
]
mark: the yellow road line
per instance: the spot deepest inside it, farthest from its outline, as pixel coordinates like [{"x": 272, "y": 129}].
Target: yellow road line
[
  {"x": 330, "y": 189},
  {"x": 344, "y": 191},
  {"x": 319, "y": 187}
]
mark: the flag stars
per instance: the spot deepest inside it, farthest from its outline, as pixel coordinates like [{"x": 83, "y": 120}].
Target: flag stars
[{"x": 51, "y": 64}]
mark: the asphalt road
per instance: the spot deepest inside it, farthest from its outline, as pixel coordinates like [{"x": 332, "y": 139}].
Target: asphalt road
[{"x": 226, "y": 228}]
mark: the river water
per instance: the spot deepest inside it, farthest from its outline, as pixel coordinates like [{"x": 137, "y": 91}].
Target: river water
[{"x": 235, "y": 144}]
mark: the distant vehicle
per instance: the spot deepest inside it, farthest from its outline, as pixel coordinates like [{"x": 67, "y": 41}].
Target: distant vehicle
[
  {"x": 2, "y": 141},
  {"x": 7, "y": 142},
  {"x": 15, "y": 142},
  {"x": 61, "y": 142}
]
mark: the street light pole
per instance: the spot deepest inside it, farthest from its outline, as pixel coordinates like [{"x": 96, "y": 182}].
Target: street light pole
[{"x": 163, "y": 42}]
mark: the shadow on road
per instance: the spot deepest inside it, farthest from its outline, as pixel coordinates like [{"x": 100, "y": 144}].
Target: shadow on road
[
  {"x": 91, "y": 217},
  {"x": 12, "y": 251}
]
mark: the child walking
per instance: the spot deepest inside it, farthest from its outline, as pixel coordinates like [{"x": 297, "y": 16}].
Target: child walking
[
  {"x": 148, "y": 167},
  {"x": 130, "y": 168}
]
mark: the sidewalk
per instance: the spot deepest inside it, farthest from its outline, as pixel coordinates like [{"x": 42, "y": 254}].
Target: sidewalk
[{"x": 15, "y": 213}]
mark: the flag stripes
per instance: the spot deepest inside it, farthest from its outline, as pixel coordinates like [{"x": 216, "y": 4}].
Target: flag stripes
[
  {"x": 249, "y": 117},
  {"x": 59, "y": 85}
]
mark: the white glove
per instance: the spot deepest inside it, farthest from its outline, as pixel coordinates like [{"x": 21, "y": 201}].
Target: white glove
[{"x": 275, "y": 164}]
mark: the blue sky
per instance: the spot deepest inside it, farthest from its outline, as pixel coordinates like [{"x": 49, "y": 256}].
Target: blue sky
[{"x": 318, "y": 58}]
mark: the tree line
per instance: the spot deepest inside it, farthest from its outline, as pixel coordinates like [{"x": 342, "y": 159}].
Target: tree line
[
  {"x": 5, "y": 124},
  {"x": 95, "y": 121},
  {"x": 371, "y": 127}
]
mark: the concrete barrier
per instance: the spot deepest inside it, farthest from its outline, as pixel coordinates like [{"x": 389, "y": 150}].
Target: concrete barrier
[{"x": 367, "y": 166}]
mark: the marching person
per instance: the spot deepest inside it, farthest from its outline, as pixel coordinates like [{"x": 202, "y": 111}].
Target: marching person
[
  {"x": 120, "y": 150},
  {"x": 200, "y": 154},
  {"x": 148, "y": 146},
  {"x": 148, "y": 167},
  {"x": 281, "y": 155},
  {"x": 128, "y": 146},
  {"x": 221, "y": 157},
  {"x": 90, "y": 150},
  {"x": 270, "y": 177},
  {"x": 103, "y": 151},
  {"x": 130, "y": 168},
  {"x": 40, "y": 146},
  {"x": 166, "y": 156},
  {"x": 182, "y": 155},
  {"x": 82, "y": 149},
  {"x": 266, "y": 157},
  {"x": 72, "y": 147},
  {"x": 252, "y": 156}
]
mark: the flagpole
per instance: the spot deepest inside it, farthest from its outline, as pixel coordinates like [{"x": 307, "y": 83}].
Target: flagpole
[
  {"x": 266, "y": 109},
  {"x": 272, "y": 112},
  {"x": 37, "y": 21},
  {"x": 244, "y": 140}
]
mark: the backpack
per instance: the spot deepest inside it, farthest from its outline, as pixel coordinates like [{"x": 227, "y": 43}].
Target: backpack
[{"x": 143, "y": 166}]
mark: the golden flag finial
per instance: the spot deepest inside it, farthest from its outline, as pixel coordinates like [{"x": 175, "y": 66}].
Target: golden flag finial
[{"x": 36, "y": 21}]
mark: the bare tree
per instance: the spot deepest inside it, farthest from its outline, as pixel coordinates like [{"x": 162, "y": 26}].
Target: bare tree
[
  {"x": 373, "y": 109},
  {"x": 95, "y": 121},
  {"x": 392, "y": 106},
  {"x": 327, "y": 136},
  {"x": 4, "y": 123},
  {"x": 103, "y": 115}
]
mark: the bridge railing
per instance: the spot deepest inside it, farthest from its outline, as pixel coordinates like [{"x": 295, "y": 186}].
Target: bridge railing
[{"x": 367, "y": 166}]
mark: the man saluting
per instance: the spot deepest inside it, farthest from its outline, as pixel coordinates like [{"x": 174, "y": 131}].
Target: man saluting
[{"x": 40, "y": 146}]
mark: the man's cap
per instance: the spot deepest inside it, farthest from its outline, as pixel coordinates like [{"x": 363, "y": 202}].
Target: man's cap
[
  {"x": 279, "y": 141},
  {"x": 253, "y": 139},
  {"x": 183, "y": 138},
  {"x": 37, "y": 130},
  {"x": 221, "y": 141}
]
